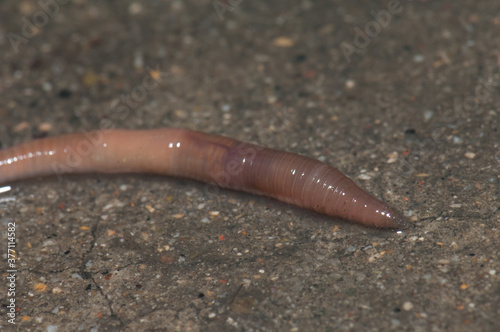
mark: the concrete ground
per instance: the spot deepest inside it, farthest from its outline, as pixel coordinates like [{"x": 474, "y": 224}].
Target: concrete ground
[{"x": 404, "y": 97}]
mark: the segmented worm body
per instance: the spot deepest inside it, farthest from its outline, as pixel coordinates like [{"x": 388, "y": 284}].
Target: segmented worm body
[{"x": 222, "y": 161}]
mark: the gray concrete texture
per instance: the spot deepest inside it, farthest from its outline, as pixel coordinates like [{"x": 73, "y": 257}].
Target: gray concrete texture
[{"x": 404, "y": 97}]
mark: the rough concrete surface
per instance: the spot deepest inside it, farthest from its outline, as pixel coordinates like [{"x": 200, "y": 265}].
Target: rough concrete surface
[{"x": 404, "y": 97}]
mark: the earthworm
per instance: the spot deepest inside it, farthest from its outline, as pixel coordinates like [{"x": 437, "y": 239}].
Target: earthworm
[{"x": 225, "y": 162}]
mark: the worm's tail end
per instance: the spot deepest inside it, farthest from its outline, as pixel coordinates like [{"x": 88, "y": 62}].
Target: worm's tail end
[
  {"x": 370, "y": 211},
  {"x": 351, "y": 203},
  {"x": 388, "y": 217}
]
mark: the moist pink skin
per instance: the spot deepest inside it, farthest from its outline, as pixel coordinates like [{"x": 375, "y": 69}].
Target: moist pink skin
[{"x": 218, "y": 160}]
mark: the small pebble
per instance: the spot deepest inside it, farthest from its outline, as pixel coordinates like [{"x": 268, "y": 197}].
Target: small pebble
[
  {"x": 114, "y": 203},
  {"x": 428, "y": 114},
  {"x": 40, "y": 287},
  {"x": 57, "y": 290},
  {"x": 374, "y": 257},
  {"x": 271, "y": 99},
  {"x": 231, "y": 322},
  {"x": 364, "y": 177},
  {"x": 3, "y": 190},
  {"x": 47, "y": 86},
  {"x": 181, "y": 114},
  {"x": 418, "y": 58},
  {"x": 392, "y": 158},
  {"x": 470, "y": 155},
  {"x": 350, "y": 84},
  {"x": 283, "y": 42},
  {"x": 351, "y": 249},
  {"x": 52, "y": 328},
  {"x": 407, "y": 306}
]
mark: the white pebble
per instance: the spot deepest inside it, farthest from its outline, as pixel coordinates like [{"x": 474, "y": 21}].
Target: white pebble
[
  {"x": 364, "y": 177},
  {"x": 428, "y": 114},
  {"x": 52, "y": 328},
  {"x": 350, "y": 84},
  {"x": 418, "y": 58},
  {"x": 407, "y": 306}
]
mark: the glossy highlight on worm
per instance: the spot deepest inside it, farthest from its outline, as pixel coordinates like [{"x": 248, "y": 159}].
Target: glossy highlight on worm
[{"x": 217, "y": 160}]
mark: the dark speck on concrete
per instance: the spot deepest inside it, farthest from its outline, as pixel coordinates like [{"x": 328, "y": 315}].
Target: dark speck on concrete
[{"x": 64, "y": 93}]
